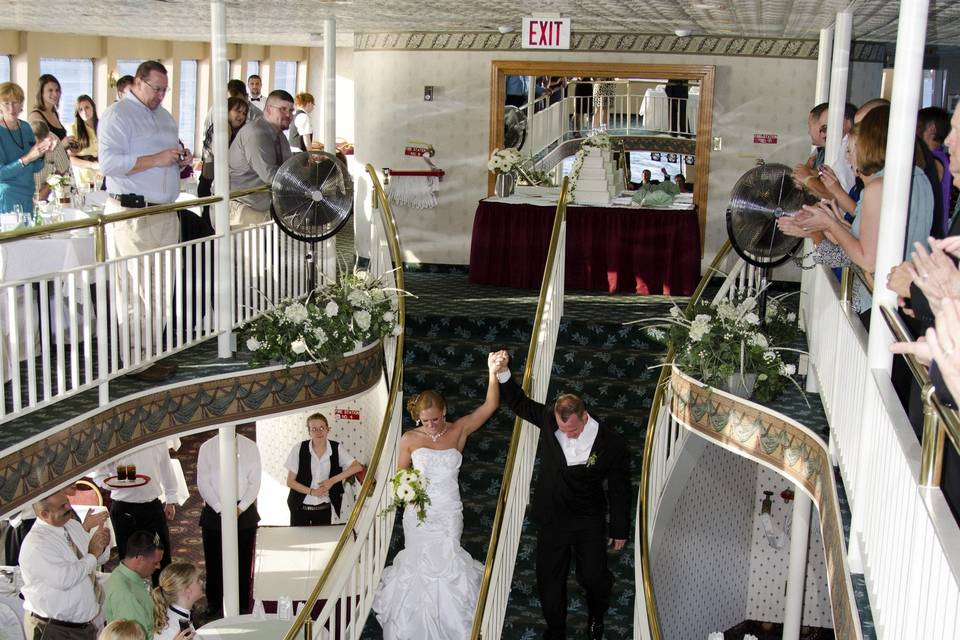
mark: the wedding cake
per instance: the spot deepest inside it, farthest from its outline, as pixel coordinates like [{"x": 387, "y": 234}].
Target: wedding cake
[{"x": 598, "y": 179}]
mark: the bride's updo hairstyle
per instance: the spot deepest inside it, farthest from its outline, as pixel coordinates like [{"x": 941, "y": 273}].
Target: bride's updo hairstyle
[{"x": 425, "y": 400}]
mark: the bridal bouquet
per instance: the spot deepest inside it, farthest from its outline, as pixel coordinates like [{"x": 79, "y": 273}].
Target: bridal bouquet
[{"x": 408, "y": 489}]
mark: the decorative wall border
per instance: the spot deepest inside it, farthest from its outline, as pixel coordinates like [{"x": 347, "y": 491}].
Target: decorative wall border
[
  {"x": 91, "y": 440},
  {"x": 615, "y": 42},
  {"x": 791, "y": 450}
]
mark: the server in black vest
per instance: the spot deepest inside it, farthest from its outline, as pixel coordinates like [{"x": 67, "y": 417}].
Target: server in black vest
[
  {"x": 316, "y": 469},
  {"x": 248, "y": 486},
  {"x": 569, "y": 504}
]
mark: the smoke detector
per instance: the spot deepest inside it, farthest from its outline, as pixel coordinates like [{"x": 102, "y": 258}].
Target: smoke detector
[{"x": 682, "y": 33}]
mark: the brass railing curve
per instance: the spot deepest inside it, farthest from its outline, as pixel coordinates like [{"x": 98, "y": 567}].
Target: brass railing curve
[
  {"x": 396, "y": 386},
  {"x": 644, "y": 542},
  {"x": 558, "y": 220},
  {"x": 939, "y": 420}
]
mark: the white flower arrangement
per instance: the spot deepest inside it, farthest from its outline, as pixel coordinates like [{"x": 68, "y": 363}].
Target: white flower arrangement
[
  {"x": 505, "y": 160},
  {"x": 408, "y": 489},
  {"x": 716, "y": 342},
  {"x": 58, "y": 181},
  {"x": 327, "y": 323}
]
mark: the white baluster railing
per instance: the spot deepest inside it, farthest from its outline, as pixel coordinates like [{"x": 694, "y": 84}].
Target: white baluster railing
[
  {"x": 62, "y": 334},
  {"x": 903, "y": 532},
  {"x": 515, "y": 488}
]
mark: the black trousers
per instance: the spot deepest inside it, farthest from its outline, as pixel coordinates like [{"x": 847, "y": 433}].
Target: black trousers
[
  {"x": 554, "y": 549},
  {"x": 129, "y": 517},
  {"x": 305, "y": 518},
  {"x": 213, "y": 556}
]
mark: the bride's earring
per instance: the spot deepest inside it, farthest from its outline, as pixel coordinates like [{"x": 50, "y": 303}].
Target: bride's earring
[{"x": 419, "y": 422}]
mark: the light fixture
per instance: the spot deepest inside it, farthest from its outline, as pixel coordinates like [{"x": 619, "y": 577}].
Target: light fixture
[
  {"x": 504, "y": 29},
  {"x": 682, "y": 33}
]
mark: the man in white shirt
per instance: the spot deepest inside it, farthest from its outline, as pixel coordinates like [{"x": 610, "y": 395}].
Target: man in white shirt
[
  {"x": 141, "y": 157},
  {"x": 248, "y": 486},
  {"x": 139, "y": 507},
  {"x": 58, "y": 562}
]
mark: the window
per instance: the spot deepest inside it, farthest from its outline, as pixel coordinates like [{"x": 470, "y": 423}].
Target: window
[
  {"x": 76, "y": 78},
  {"x": 188, "y": 102},
  {"x": 4, "y": 68},
  {"x": 127, "y": 67},
  {"x": 253, "y": 68},
  {"x": 285, "y": 76}
]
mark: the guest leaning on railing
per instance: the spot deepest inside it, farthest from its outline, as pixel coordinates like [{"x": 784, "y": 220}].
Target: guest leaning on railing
[{"x": 20, "y": 154}]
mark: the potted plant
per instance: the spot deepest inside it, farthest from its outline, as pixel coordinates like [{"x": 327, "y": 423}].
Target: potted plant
[
  {"x": 724, "y": 346},
  {"x": 348, "y": 314}
]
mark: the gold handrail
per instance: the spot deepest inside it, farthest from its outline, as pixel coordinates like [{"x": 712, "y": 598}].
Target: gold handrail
[
  {"x": 558, "y": 220},
  {"x": 396, "y": 384},
  {"x": 649, "y": 600},
  {"x": 938, "y": 419}
]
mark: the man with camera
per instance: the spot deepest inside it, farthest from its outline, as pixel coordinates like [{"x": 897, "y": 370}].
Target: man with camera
[{"x": 141, "y": 157}]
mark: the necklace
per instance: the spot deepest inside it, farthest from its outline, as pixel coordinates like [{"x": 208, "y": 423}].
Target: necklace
[
  {"x": 435, "y": 437},
  {"x": 10, "y": 133}
]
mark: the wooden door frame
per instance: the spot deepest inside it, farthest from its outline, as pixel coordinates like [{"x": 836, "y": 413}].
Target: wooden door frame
[{"x": 704, "y": 74}]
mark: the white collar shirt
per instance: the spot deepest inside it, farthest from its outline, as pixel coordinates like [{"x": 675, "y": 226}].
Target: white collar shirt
[
  {"x": 56, "y": 583},
  {"x": 153, "y": 462},
  {"x": 248, "y": 472},
  {"x": 577, "y": 450},
  {"x": 319, "y": 467},
  {"x": 174, "y": 616},
  {"x": 128, "y": 131}
]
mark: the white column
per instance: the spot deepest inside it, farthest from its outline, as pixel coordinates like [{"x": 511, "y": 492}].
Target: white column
[
  {"x": 823, "y": 66},
  {"x": 330, "y": 85},
  {"x": 531, "y": 98},
  {"x": 228, "y": 520},
  {"x": 797, "y": 568},
  {"x": 221, "y": 174},
  {"x": 838, "y": 85},
  {"x": 898, "y": 169}
]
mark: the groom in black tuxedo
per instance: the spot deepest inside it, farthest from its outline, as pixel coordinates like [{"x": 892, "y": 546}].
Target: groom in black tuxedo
[{"x": 569, "y": 504}]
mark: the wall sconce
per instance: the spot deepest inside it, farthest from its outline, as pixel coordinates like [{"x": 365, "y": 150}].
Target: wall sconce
[{"x": 114, "y": 76}]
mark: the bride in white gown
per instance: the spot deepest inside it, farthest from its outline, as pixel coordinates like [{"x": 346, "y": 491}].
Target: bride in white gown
[{"x": 431, "y": 590}]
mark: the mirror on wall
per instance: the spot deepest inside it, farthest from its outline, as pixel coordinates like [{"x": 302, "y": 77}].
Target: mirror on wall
[{"x": 659, "y": 116}]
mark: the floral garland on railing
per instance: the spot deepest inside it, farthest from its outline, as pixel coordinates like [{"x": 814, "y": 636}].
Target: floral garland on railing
[
  {"x": 598, "y": 141},
  {"x": 717, "y": 343},
  {"x": 353, "y": 311}
]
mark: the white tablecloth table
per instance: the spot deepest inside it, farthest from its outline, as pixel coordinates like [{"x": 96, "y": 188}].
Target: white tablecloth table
[
  {"x": 245, "y": 627},
  {"x": 289, "y": 560}
]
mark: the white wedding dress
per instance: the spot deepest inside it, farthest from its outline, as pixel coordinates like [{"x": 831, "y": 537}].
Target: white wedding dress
[{"x": 431, "y": 590}]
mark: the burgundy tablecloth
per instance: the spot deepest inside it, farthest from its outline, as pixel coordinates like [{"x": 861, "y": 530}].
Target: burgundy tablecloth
[{"x": 613, "y": 248}]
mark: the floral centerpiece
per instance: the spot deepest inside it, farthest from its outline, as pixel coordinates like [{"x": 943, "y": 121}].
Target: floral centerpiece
[
  {"x": 408, "y": 489},
  {"x": 330, "y": 321},
  {"x": 504, "y": 160},
  {"x": 60, "y": 184},
  {"x": 598, "y": 141},
  {"x": 724, "y": 346}
]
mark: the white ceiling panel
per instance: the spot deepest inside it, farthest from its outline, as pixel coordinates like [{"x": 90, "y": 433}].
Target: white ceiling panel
[{"x": 299, "y": 22}]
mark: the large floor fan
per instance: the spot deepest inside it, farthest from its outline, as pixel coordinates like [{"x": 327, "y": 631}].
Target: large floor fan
[
  {"x": 761, "y": 196},
  {"x": 312, "y": 200},
  {"x": 514, "y": 127}
]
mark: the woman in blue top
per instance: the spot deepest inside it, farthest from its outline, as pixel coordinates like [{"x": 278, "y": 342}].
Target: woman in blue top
[{"x": 20, "y": 154}]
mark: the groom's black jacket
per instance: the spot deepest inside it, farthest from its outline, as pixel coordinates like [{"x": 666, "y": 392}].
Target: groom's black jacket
[{"x": 573, "y": 497}]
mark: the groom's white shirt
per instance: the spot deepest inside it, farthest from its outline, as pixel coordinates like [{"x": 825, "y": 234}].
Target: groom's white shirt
[{"x": 575, "y": 450}]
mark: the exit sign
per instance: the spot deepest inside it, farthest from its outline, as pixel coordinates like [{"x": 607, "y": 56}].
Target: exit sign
[{"x": 546, "y": 33}]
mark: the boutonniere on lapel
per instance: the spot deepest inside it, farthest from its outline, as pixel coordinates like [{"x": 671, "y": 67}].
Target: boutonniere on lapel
[{"x": 592, "y": 460}]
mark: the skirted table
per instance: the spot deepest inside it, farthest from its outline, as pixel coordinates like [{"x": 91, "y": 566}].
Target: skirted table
[{"x": 617, "y": 249}]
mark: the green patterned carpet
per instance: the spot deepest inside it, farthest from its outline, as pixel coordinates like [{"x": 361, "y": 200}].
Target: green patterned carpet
[{"x": 451, "y": 327}]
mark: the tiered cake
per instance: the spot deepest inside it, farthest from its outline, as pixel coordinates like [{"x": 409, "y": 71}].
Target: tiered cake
[{"x": 597, "y": 182}]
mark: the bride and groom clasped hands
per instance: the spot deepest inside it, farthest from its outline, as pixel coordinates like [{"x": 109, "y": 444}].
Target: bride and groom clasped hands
[{"x": 430, "y": 591}]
